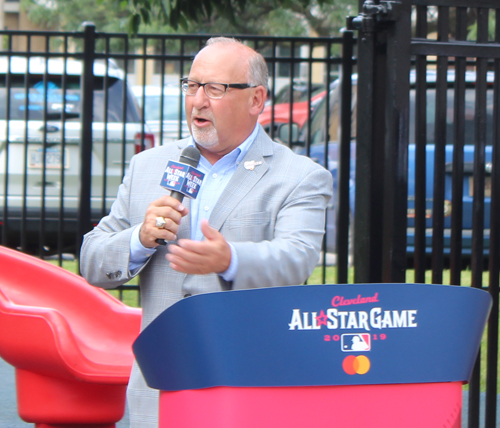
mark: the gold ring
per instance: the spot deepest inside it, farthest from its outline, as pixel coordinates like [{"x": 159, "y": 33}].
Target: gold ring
[{"x": 160, "y": 222}]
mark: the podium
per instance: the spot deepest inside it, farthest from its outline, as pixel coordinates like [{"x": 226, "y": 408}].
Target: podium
[{"x": 364, "y": 355}]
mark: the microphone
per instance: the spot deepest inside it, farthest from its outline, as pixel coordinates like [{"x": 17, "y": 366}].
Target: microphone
[
  {"x": 182, "y": 178},
  {"x": 189, "y": 156}
]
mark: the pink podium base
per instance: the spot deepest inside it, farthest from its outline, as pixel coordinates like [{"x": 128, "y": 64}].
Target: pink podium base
[{"x": 426, "y": 405}]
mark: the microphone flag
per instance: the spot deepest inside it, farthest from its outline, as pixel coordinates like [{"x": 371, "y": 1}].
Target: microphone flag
[{"x": 182, "y": 178}]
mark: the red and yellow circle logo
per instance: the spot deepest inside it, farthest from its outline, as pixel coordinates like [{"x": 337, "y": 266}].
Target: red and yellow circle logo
[{"x": 356, "y": 364}]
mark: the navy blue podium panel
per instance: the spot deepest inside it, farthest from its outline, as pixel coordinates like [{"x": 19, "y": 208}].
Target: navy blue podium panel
[{"x": 360, "y": 334}]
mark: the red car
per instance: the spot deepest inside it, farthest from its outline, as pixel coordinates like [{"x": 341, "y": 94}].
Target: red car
[{"x": 299, "y": 106}]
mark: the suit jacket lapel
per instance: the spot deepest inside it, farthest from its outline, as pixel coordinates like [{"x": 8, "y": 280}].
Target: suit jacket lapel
[{"x": 243, "y": 179}]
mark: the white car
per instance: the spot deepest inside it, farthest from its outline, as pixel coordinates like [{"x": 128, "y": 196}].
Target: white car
[
  {"x": 165, "y": 127},
  {"x": 40, "y": 136}
]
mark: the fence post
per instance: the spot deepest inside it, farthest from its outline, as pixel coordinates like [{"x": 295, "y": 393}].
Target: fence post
[
  {"x": 397, "y": 20},
  {"x": 87, "y": 87},
  {"x": 343, "y": 199},
  {"x": 382, "y": 140},
  {"x": 369, "y": 156}
]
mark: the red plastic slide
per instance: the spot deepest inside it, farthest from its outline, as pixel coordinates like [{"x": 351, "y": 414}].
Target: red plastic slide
[{"x": 69, "y": 342}]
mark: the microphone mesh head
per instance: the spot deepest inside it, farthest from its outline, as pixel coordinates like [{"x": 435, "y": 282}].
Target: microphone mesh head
[{"x": 191, "y": 156}]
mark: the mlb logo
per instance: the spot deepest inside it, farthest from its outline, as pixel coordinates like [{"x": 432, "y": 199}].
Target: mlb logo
[{"x": 357, "y": 342}]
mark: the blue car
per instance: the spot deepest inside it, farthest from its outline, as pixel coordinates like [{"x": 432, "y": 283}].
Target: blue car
[{"x": 317, "y": 144}]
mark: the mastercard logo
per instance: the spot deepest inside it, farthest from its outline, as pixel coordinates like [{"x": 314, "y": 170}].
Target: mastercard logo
[{"x": 356, "y": 365}]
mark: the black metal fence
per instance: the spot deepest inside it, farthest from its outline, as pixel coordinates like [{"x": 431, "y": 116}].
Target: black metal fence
[
  {"x": 76, "y": 106},
  {"x": 466, "y": 156},
  {"x": 429, "y": 150}
]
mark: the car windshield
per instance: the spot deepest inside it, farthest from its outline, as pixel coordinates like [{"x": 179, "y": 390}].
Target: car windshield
[{"x": 36, "y": 102}]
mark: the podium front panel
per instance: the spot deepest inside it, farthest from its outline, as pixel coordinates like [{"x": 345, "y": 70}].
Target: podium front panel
[
  {"x": 324, "y": 335},
  {"x": 435, "y": 405}
]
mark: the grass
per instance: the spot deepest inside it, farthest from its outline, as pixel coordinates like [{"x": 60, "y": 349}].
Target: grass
[
  {"x": 331, "y": 276},
  {"x": 131, "y": 297}
]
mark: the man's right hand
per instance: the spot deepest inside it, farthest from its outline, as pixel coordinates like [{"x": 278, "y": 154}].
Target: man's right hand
[{"x": 172, "y": 211}]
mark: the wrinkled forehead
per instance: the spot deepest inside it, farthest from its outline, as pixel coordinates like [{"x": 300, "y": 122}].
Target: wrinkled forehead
[{"x": 221, "y": 63}]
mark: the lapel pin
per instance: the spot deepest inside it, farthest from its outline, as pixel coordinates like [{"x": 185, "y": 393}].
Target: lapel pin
[{"x": 250, "y": 165}]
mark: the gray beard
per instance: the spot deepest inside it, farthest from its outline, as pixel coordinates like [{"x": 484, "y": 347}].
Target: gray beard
[{"x": 206, "y": 138}]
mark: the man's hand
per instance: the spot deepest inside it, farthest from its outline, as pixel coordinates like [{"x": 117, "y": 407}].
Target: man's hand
[
  {"x": 172, "y": 211},
  {"x": 213, "y": 255}
]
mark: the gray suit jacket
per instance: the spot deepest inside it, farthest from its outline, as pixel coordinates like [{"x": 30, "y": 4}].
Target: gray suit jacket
[{"x": 273, "y": 215}]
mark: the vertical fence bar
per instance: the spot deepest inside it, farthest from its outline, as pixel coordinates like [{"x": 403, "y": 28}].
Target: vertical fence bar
[
  {"x": 274, "y": 71},
  {"x": 181, "y": 68},
  {"x": 162, "y": 96},
  {"x": 144, "y": 82},
  {"x": 24, "y": 237},
  {"x": 344, "y": 171},
  {"x": 64, "y": 88},
  {"x": 458, "y": 154},
  {"x": 87, "y": 79},
  {"x": 43, "y": 190},
  {"x": 291, "y": 90},
  {"x": 419, "y": 253},
  {"x": 104, "y": 186},
  {"x": 327, "y": 138},
  {"x": 440, "y": 150},
  {"x": 494, "y": 255},
  {"x": 124, "y": 107},
  {"x": 5, "y": 184},
  {"x": 478, "y": 200}
]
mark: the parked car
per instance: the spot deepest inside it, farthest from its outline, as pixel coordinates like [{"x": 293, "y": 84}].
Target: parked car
[
  {"x": 300, "y": 105},
  {"x": 40, "y": 136},
  {"x": 165, "y": 127},
  {"x": 317, "y": 146}
]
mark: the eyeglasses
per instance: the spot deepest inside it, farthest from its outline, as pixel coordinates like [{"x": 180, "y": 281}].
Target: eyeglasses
[{"x": 213, "y": 90}]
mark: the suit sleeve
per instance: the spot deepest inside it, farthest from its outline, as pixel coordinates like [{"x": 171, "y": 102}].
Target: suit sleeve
[{"x": 105, "y": 253}]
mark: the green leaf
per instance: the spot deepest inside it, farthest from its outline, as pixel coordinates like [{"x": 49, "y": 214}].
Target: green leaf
[
  {"x": 167, "y": 6},
  {"x": 133, "y": 22},
  {"x": 145, "y": 16}
]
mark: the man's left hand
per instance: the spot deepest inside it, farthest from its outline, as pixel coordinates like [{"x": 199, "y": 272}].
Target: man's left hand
[{"x": 212, "y": 255}]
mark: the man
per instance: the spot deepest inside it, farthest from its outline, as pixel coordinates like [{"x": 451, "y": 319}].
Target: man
[{"x": 258, "y": 220}]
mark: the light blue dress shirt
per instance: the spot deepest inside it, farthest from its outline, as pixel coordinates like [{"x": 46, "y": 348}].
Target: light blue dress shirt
[{"x": 217, "y": 176}]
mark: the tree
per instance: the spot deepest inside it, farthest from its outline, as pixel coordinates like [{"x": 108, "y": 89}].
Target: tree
[
  {"x": 68, "y": 15},
  {"x": 259, "y": 17}
]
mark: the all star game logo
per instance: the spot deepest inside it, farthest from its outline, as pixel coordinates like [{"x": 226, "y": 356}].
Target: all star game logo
[
  {"x": 341, "y": 316},
  {"x": 355, "y": 324}
]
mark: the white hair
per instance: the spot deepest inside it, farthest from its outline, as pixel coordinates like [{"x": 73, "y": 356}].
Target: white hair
[{"x": 258, "y": 74}]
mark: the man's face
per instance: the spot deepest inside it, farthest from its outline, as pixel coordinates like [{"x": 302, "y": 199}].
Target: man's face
[{"x": 220, "y": 125}]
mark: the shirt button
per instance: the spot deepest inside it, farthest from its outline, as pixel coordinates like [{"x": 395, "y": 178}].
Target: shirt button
[
  {"x": 214, "y": 175},
  {"x": 206, "y": 208}
]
